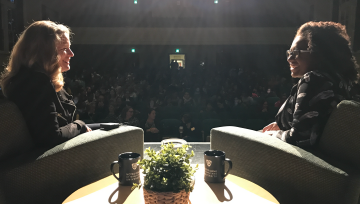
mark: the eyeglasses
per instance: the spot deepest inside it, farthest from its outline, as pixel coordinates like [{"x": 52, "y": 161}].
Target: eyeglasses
[{"x": 294, "y": 53}]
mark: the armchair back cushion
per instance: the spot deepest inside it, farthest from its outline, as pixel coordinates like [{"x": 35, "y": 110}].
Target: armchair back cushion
[
  {"x": 14, "y": 135},
  {"x": 341, "y": 136}
]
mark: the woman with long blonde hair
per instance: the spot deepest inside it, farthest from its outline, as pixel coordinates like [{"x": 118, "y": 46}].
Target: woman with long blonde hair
[{"x": 33, "y": 80}]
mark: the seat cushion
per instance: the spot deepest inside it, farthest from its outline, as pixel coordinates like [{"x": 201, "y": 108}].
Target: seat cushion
[
  {"x": 341, "y": 136},
  {"x": 14, "y": 135}
]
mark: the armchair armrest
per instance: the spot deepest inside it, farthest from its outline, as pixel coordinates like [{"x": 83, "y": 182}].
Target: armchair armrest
[
  {"x": 289, "y": 173},
  {"x": 133, "y": 136}
]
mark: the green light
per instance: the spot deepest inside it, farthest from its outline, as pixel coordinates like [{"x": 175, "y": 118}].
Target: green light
[
  {"x": 177, "y": 50},
  {"x": 135, "y": 1},
  {"x": 216, "y": 1},
  {"x": 132, "y": 50}
]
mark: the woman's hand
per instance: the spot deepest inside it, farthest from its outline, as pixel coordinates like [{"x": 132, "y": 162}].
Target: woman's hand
[
  {"x": 88, "y": 129},
  {"x": 154, "y": 130},
  {"x": 271, "y": 132},
  {"x": 271, "y": 127}
]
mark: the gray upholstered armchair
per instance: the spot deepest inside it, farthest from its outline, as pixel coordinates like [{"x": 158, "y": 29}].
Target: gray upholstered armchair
[
  {"x": 29, "y": 175},
  {"x": 292, "y": 175}
]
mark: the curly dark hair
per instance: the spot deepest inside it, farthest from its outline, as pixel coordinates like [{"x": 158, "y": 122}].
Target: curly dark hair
[{"x": 330, "y": 45}]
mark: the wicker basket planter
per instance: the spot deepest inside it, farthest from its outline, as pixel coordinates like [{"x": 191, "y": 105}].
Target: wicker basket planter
[
  {"x": 153, "y": 197},
  {"x": 167, "y": 171}
]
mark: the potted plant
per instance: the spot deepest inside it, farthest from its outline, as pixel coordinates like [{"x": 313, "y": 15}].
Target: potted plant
[{"x": 168, "y": 175}]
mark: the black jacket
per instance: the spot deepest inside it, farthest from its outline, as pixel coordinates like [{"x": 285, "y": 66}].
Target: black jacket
[{"x": 48, "y": 114}]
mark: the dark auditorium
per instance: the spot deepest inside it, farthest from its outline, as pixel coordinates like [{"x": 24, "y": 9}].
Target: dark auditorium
[{"x": 180, "y": 101}]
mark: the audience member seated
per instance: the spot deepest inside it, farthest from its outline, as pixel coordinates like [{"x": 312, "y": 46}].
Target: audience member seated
[
  {"x": 191, "y": 131},
  {"x": 127, "y": 117},
  {"x": 100, "y": 111},
  {"x": 264, "y": 107},
  {"x": 246, "y": 98},
  {"x": 173, "y": 99},
  {"x": 90, "y": 98},
  {"x": 187, "y": 100},
  {"x": 89, "y": 115},
  {"x": 279, "y": 103},
  {"x": 151, "y": 132},
  {"x": 111, "y": 117},
  {"x": 255, "y": 93},
  {"x": 222, "y": 106},
  {"x": 152, "y": 102},
  {"x": 112, "y": 94},
  {"x": 126, "y": 98},
  {"x": 119, "y": 105}
]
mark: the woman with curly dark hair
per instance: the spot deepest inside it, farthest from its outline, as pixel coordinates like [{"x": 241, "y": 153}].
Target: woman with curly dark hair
[{"x": 322, "y": 58}]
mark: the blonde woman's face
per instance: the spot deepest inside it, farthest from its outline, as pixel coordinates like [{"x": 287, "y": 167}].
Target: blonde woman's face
[{"x": 64, "y": 53}]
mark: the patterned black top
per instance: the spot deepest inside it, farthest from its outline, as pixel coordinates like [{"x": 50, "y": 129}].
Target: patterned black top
[{"x": 303, "y": 116}]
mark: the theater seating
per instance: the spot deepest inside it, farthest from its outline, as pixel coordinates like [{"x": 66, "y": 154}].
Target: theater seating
[
  {"x": 207, "y": 125},
  {"x": 169, "y": 128},
  {"x": 331, "y": 174},
  {"x": 30, "y": 175}
]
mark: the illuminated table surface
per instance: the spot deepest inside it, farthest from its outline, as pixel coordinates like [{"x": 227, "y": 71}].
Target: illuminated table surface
[{"x": 234, "y": 190}]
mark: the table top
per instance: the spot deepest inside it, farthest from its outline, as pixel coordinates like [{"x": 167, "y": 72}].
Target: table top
[{"x": 234, "y": 190}]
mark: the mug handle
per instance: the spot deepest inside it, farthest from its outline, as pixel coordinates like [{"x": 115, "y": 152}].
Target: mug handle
[
  {"x": 230, "y": 166},
  {"x": 112, "y": 169}
]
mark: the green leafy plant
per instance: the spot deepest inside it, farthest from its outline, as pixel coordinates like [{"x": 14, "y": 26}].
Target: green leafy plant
[{"x": 169, "y": 170}]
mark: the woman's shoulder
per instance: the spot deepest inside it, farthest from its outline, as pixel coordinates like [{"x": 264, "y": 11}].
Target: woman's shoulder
[
  {"x": 315, "y": 77},
  {"x": 26, "y": 75},
  {"x": 29, "y": 81},
  {"x": 314, "y": 73}
]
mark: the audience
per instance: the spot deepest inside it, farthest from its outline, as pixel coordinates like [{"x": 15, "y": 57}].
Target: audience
[{"x": 102, "y": 99}]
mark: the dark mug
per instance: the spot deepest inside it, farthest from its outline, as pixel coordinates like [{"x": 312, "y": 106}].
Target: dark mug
[
  {"x": 215, "y": 166},
  {"x": 129, "y": 171}
]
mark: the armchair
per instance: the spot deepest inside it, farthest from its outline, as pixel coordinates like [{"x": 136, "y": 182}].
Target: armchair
[
  {"x": 30, "y": 175},
  {"x": 331, "y": 174}
]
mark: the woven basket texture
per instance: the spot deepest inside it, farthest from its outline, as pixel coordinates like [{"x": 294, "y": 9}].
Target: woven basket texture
[{"x": 153, "y": 197}]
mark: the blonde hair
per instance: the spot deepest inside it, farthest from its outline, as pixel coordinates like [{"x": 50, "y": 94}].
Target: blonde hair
[{"x": 37, "y": 44}]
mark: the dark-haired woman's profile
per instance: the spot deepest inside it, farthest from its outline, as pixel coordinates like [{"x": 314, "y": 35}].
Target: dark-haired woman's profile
[
  {"x": 322, "y": 58},
  {"x": 33, "y": 80}
]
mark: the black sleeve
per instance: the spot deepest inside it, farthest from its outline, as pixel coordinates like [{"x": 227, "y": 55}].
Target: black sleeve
[
  {"x": 142, "y": 125},
  {"x": 313, "y": 104},
  {"x": 41, "y": 116}
]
